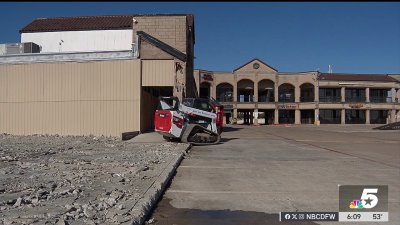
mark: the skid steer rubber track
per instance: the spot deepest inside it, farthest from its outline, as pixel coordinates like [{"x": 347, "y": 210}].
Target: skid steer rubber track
[
  {"x": 198, "y": 135},
  {"x": 390, "y": 126}
]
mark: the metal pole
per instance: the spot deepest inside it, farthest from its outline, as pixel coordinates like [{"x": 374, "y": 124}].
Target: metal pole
[{"x": 318, "y": 122}]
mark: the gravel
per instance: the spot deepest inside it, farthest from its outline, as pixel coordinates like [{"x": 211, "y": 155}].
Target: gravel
[{"x": 75, "y": 179}]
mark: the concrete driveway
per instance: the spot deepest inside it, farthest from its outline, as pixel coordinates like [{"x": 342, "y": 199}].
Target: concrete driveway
[{"x": 258, "y": 172}]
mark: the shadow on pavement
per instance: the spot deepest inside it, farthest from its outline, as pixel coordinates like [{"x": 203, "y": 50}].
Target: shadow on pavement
[
  {"x": 230, "y": 129},
  {"x": 166, "y": 214},
  {"x": 223, "y": 140}
]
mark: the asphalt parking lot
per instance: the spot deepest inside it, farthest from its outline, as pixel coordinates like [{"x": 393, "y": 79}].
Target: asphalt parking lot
[{"x": 260, "y": 171}]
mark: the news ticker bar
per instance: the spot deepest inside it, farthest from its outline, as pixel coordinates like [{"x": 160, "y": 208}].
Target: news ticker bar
[{"x": 335, "y": 216}]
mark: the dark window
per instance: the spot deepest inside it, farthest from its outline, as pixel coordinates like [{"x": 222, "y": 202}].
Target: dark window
[
  {"x": 286, "y": 116},
  {"x": 379, "y": 95},
  {"x": 329, "y": 95},
  {"x": 378, "y": 116},
  {"x": 307, "y": 116},
  {"x": 330, "y": 116},
  {"x": 355, "y": 116},
  {"x": 355, "y": 95}
]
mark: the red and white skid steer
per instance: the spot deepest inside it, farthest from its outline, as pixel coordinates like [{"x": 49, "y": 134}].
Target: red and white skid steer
[{"x": 197, "y": 121}]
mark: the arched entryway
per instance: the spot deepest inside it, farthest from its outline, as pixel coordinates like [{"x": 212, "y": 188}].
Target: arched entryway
[
  {"x": 224, "y": 92},
  {"x": 286, "y": 93},
  {"x": 307, "y": 92},
  {"x": 205, "y": 90},
  {"x": 245, "y": 90},
  {"x": 266, "y": 91}
]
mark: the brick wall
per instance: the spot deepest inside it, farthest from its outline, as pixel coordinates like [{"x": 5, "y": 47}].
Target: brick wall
[{"x": 169, "y": 29}]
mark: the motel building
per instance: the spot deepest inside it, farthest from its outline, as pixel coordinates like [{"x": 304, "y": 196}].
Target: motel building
[{"x": 256, "y": 93}]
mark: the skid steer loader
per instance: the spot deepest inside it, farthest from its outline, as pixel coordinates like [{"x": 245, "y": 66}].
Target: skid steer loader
[{"x": 197, "y": 121}]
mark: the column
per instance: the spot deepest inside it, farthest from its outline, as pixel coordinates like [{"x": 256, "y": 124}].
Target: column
[
  {"x": 393, "y": 95},
  {"x": 276, "y": 116},
  {"x": 255, "y": 90},
  {"x": 255, "y": 117},
  {"x": 343, "y": 117},
  {"x": 235, "y": 114},
  {"x": 393, "y": 116},
  {"x": 316, "y": 93},
  {"x": 367, "y": 117},
  {"x": 276, "y": 93},
  {"x": 316, "y": 116},
  {"x": 367, "y": 94},
  {"x": 234, "y": 91},
  {"x": 297, "y": 116},
  {"x": 214, "y": 91},
  {"x": 343, "y": 94},
  {"x": 296, "y": 94}
]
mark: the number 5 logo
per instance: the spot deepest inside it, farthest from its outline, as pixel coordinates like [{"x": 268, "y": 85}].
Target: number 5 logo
[{"x": 368, "y": 198}]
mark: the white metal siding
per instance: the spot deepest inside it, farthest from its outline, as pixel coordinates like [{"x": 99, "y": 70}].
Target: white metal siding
[{"x": 81, "y": 41}]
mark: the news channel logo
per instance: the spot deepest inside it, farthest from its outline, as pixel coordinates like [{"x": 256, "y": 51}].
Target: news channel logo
[{"x": 363, "y": 198}]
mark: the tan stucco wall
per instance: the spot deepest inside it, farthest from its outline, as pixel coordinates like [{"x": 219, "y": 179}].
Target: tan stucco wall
[{"x": 99, "y": 98}]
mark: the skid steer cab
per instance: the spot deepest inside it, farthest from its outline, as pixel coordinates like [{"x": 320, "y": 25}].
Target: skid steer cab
[{"x": 198, "y": 121}]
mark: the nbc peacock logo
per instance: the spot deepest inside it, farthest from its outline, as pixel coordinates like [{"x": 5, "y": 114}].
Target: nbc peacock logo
[{"x": 356, "y": 204}]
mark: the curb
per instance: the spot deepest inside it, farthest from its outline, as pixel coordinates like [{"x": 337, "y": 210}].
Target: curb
[{"x": 144, "y": 205}]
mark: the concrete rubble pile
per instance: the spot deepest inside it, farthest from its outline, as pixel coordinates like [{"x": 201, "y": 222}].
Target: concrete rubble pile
[{"x": 75, "y": 180}]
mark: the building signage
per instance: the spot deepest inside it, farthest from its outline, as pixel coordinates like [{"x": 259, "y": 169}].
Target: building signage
[
  {"x": 356, "y": 106},
  {"x": 288, "y": 106},
  {"x": 207, "y": 77}
]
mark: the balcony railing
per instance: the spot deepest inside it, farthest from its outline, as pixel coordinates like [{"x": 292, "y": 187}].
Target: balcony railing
[
  {"x": 380, "y": 99},
  {"x": 330, "y": 99},
  {"x": 286, "y": 99},
  {"x": 245, "y": 98},
  {"x": 307, "y": 99},
  {"x": 264, "y": 98},
  {"x": 355, "y": 99},
  {"x": 225, "y": 99}
]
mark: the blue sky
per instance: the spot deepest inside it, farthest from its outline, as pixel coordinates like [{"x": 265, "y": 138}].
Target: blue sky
[{"x": 353, "y": 37}]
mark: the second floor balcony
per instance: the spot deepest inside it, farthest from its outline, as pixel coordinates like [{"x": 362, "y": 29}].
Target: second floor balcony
[
  {"x": 330, "y": 99},
  {"x": 380, "y": 99},
  {"x": 355, "y": 99},
  {"x": 266, "y": 98},
  {"x": 307, "y": 99},
  {"x": 225, "y": 98},
  {"x": 245, "y": 98},
  {"x": 286, "y": 99}
]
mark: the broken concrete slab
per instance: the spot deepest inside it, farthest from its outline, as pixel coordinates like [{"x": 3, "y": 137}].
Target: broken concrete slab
[{"x": 79, "y": 180}]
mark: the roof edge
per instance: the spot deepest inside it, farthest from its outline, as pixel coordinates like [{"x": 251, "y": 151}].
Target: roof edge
[
  {"x": 254, "y": 60},
  {"x": 162, "y": 45}
]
